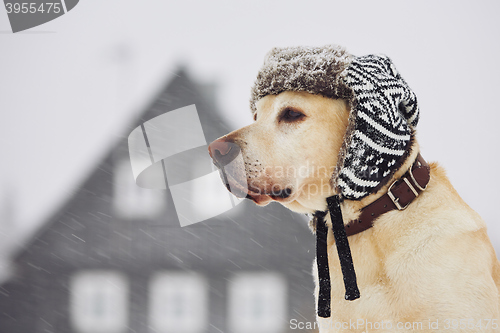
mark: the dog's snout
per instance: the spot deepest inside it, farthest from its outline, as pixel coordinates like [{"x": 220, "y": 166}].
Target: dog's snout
[{"x": 223, "y": 151}]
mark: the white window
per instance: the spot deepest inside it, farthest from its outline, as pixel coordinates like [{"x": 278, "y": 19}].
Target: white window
[
  {"x": 257, "y": 303},
  {"x": 132, "y": 201},
  {"x": 178, "y": 302},
  {"x": 99, "y": 302}
]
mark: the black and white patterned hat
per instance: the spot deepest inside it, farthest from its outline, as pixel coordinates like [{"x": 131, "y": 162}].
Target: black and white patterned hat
[{"x": 383, "y": 116}]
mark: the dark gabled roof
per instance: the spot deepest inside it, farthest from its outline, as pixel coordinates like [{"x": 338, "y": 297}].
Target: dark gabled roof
[{"x": 182, "y": 91}]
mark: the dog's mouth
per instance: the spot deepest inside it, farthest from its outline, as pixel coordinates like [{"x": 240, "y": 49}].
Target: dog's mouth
[
  {"x": 261, "y": 198},
  {"x": 240, "y": 181},
  {"x": 242, "y": 189},
  {"x": 281, "y": 193}
]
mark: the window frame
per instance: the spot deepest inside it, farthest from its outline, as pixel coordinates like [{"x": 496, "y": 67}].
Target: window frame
[
  {"x": 84, "y": 286},
  {"x": 192, "y": 288},
  {"x": 270, "y": 290},
  {"x": 131, "y": 201}
]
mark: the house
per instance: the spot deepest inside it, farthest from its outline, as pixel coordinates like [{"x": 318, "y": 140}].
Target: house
[{"x": 114, "y": 258}]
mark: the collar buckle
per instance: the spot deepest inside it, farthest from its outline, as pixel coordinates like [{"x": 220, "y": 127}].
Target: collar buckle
[
  {"x": 414, "y": 180},
  {"x": 395, "y": 199}
]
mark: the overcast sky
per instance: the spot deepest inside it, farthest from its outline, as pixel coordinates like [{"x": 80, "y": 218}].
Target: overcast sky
[{"x": 68, "y": 87}]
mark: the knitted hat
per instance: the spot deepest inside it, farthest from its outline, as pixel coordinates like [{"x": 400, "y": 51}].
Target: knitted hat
[{"x": 384, "y": 111}]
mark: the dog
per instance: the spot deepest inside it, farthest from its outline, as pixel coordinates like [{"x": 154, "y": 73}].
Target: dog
[{"x": 426, "y": 266}]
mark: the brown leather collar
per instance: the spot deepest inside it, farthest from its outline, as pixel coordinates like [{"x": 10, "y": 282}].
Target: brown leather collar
[{"x": 399, "y": 195}]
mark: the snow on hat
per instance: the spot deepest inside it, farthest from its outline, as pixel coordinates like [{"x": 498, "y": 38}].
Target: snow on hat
[{"x": 383, "y": 116}]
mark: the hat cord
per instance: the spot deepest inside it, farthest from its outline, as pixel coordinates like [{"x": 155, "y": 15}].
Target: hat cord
[{"x": 344, "y": 253}]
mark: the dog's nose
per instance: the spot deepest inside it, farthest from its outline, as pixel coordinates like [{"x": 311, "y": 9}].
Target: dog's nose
[{"x": 223, "y": 151}]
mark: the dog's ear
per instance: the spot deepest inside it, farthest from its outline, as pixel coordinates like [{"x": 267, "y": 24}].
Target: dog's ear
[{"x": 381, "y": 125}]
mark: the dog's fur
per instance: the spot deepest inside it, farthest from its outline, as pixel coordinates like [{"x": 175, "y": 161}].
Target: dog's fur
[{"x": 430, "y": 262}]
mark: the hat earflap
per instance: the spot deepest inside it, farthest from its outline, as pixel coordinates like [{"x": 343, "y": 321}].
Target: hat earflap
[{"x": 384, "y": 113}]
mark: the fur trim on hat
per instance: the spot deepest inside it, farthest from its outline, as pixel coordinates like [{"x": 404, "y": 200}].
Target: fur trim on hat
[{"x": 316, "y": 70}]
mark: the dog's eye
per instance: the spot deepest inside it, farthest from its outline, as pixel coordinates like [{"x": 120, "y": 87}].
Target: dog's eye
[
  {"x": 255, "y": 116},
  {"x": 291, "y": 115}
]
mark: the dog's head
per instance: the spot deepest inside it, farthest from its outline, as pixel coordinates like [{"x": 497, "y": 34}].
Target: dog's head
[
  {"x": 325, "y": 123},
  {"x": 289, "y": 152}
]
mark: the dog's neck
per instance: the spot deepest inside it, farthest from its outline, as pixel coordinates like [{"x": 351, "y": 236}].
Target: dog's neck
[{"x": 351, "y": 209}]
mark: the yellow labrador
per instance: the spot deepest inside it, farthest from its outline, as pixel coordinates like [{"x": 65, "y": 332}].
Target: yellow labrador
[{"x": 430, "y": 267}]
